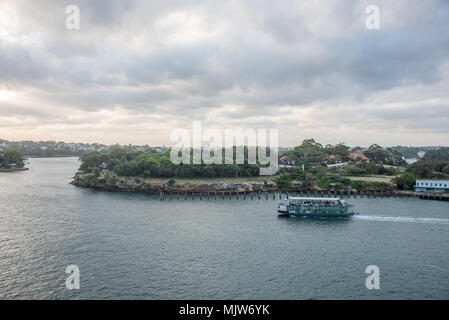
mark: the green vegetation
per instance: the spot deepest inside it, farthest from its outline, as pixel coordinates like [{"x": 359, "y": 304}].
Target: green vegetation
[
  {"x": 405, "y": 181},
  {"x": 377, "y": 168},
  {"x": 434, "y": 165},
  {"x": 424, "y": 169},
  {"x": 437, "y": 155},
  {"x": 412, "y": 152},
  {"x": 365, "y": 168},
  {"x": 283, "y": 180},
  {"x": 11, "y": 159},
  {"x": 387, "y": 156},
  {"x": 128, "y": 162},
  {"x": 308, "y": 153},
  {"x": 377, "y": 173},
  {"x": 311, "y": 153}
]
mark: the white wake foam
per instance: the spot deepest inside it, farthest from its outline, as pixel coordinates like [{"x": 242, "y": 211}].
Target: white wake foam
[{"x": 402, "y": 219}]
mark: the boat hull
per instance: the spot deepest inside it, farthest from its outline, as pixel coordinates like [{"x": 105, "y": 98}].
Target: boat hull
[
  {"x": 316, "y": 215},
  {"x": 315, "y": 207}
]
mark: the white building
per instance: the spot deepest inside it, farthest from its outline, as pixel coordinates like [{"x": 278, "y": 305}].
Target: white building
[
  {"x": 411, "y": 160},
  {"x": 432, "y": 186}
]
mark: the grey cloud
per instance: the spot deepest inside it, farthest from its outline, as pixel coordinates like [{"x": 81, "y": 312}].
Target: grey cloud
[{"x": 265, "y": 56}]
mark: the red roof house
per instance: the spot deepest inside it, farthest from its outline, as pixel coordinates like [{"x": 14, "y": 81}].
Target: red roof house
[{"x": 354, "y": 156}]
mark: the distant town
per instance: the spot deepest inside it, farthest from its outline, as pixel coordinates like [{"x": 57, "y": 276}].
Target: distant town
[{"x": 63, "y": 149}]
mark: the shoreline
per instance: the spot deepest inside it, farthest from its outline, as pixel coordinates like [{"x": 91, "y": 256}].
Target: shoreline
[
  {"x": 129, "y": 184},
  {"x": 13, "y": 170},
  {"x": 264, "y": 192}
]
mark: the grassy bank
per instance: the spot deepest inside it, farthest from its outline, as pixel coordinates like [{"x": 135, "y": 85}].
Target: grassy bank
[{"x": 373, "y": 178}]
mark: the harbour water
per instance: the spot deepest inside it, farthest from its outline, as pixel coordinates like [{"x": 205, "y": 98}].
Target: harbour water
[{"x": 133, "y": 246}]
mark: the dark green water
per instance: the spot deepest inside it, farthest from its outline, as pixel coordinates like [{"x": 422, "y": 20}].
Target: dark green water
[{"x": 134, "y": 246}]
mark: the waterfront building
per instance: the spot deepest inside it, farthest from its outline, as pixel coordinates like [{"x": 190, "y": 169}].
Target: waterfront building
[{"x": 432, "y": 186}]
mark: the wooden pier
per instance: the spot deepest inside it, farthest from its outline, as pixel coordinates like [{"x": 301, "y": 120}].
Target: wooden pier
[
  {"x": 434, "y": 196},
  {"x": 285, "y": 194}
]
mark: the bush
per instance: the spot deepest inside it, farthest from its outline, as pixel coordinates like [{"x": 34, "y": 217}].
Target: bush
[
  {"x": 307, "y": 184},
  {"x": 340, "y": 182},
  {"x": 91, "y": 179},
  {"x": 405, "y": 181},
  {"x": 360, "y": 185},
  {"x": 446, "y": 169},
  {"x": 283, "y": 181},
  {"x": 171, "y": 182}
]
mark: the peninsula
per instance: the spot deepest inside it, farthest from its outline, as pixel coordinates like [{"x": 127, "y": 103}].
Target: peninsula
[
  {"x": 306, "y": 167},
  {"x": 11, "y": 160}
]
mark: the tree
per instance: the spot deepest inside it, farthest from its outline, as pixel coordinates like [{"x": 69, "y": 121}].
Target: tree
[
  {"x": 446, "y": 169},
  {"x": 386, "y": 156},
  {"x": 308, "y": 153},
  {"x": 437, "y": 155},
  {"x": 422, "y": 169},
  {"x": 405, "y": 181},
  {"x": 11, "y": 157},
  {"x": 376, "y": 153},
  {"x": 91, "y": 160},
  {"x": 128, "y": 162},
  {"x": 283, "y": 181},
  {"x": 339, "y": 149}
]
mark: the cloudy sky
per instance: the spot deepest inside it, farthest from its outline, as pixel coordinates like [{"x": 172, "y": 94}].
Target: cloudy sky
[{"x": 135, "y": 70}]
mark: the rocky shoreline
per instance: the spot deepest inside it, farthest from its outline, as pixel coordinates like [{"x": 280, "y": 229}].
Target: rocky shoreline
[
  {"x": 130, "y": 185},
  {"x": 126, "y": 184}
]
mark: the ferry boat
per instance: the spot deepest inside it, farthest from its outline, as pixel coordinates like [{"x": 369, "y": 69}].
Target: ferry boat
[{"x": 309, "y": 207}]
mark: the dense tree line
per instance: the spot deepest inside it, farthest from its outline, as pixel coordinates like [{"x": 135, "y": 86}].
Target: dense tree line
[
  {"x": 434, "y": 165},
  {"x": 437, "y": 155},
  {"x": 11, "y": 157},
  {"x": 127, "y": 162},
  {"x": 365, "y": 168},
  {"x": 412, "y": 152},
  {"x": 321, "y": 177},
  {"x": 310, "y": 153}
]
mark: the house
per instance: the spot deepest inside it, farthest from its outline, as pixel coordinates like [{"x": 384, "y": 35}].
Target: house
[
  {"x": 286, "y": 160},
  {"x": 357, "y": 155},
  {"x": 432, "y": 186},
  {"x": 411, "y": 160}
]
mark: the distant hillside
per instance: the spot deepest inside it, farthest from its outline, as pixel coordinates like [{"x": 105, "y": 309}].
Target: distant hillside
[
  {"x": 62, "y": 149},
  {"x": 412, "y": 152}
]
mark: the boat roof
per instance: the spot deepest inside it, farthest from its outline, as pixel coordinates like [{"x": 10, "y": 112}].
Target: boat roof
[{"x": 314, "y": 198}]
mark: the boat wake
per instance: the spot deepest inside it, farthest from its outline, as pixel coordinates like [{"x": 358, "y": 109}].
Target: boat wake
[{"x": 402, "y": 219}]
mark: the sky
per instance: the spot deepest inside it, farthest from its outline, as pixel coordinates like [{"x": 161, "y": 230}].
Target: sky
[{"x": 136, "y": 70}]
